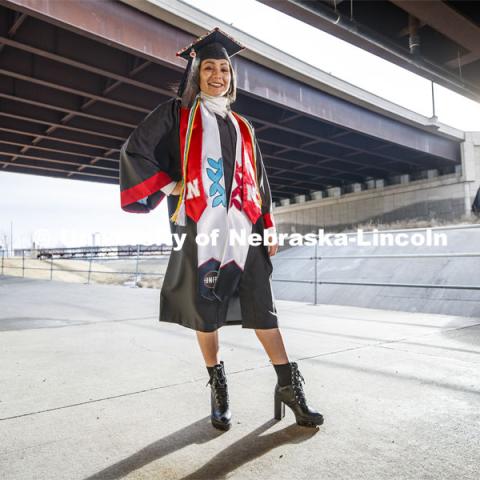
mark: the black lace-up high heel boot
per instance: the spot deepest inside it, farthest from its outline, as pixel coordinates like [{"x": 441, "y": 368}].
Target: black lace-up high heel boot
[
  {"x": 221, "y": 415},
  {"x": 294, "y": 396}
]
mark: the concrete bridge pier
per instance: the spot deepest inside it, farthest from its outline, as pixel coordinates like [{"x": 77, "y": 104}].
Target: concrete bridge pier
[
  {"x": 470, "y": 151},
  {"x": 428, "y": 194}
]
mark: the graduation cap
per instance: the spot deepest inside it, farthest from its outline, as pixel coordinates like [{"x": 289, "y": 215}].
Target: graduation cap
[{"x": 214, "y": 44}]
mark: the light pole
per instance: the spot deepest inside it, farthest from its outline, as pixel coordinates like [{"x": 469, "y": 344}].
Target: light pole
[{"x": 93, "y": 237}]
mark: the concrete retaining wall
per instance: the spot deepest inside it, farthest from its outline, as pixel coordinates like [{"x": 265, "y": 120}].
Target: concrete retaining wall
[
  {"x": 437, "y": 271},
  {"x": 441, "y": 198}
]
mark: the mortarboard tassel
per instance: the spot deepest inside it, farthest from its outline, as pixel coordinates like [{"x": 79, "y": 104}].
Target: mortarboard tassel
[{"x": 186, "y": 74}]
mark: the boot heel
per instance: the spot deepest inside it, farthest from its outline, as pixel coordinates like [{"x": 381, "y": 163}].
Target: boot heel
[{"x": 279, "y": 408}]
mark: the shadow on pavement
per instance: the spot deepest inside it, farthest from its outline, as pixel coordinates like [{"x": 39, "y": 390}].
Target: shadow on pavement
[{"x": 248, "y": 448}]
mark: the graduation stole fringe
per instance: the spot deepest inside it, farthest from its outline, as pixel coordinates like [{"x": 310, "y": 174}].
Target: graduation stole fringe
[{"x": 203, "y": 197}]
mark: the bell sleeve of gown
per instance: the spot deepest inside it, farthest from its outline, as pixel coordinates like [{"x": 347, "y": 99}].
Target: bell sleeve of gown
[
  {"x": 265, "y": 193},
  {"x": 148, "y": 158}
]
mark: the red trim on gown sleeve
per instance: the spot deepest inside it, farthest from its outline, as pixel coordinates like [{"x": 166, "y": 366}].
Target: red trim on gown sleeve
[
  {"x": 268, "y": 220},
  {"x": 144, "y": 189}
]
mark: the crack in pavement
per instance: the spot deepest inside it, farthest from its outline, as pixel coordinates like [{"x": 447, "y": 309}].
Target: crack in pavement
[{"x": 112, "y": 397}]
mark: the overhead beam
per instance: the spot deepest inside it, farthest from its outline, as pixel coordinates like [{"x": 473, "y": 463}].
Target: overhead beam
[
  {"x": 57, "y": 150},
  {"x": 324, "y": 18},
  {"x": 56, "y": 139},
  {"x": 53, "y": 160},
  {"x": 454, "y": 154},
  {"x": 58, "y": 170},
  {"x": 446, "y": 20},
  {"x": 62, "y": 87},
  {"x": 58, "y": 108},
  {"x": 463, "y": 60},
  {"x": 63, "y": 127},
  {"x": 111, "y": 22},
  {"x": 83, "y": 66}
]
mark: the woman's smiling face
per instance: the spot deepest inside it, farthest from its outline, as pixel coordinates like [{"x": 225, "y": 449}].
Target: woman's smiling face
[{"x": 215, "y": 76}]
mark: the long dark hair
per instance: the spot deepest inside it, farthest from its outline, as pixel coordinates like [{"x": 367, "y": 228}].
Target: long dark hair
[{"x": 192, "y": 85}]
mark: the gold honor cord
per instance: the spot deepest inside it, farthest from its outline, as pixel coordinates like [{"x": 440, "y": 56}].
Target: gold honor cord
[{"x": 193, "y": 112}]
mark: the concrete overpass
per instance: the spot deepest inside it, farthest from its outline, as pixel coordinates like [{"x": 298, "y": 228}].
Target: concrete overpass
[
  {"x": 439, "y": 40},
  {"x": 77, "y": 77}
]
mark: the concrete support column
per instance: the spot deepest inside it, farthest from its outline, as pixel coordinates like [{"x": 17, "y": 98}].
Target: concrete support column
[
  {"x": 318, "y": 195},
  {"x": 470, "y": 151},
  {"x": 334, "y": 192}
]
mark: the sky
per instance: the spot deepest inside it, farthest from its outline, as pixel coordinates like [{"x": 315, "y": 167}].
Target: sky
[{"x": 55, "y": 212}]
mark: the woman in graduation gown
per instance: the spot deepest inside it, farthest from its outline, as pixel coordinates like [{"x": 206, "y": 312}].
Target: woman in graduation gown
[{"x": 202, "y": 156}]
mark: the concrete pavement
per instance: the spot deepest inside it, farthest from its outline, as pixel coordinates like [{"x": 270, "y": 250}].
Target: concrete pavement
[{"x": 92, "y": 386}]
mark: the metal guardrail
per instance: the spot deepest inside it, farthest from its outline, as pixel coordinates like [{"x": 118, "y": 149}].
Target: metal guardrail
[
  {"x": 101, "y": 254},
  {"x": 146, "y": 252},
  {"x": 317, "y": 282},
  {"x": 111, "y": 251}
]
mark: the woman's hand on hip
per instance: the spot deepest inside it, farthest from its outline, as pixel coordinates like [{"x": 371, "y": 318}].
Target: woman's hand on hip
[
  {"x": 271, "y": 235},
  {"x": 177, "y": 189},
  {"x": 272, "y": 249}
]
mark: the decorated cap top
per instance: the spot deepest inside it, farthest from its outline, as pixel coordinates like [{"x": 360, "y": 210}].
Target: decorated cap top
[{"x": 214, "y": 44}]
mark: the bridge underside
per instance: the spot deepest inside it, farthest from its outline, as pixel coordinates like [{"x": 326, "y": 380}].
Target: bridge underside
[
  {"x": 77, "y": 78},
  {"x": 439, "y": 40}
]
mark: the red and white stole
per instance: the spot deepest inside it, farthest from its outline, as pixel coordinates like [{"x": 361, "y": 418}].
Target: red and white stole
[{"x": 203, "y": 197}]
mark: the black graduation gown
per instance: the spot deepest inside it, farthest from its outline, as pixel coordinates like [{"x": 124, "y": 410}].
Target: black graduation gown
[{"x": 151, "y": 151}]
